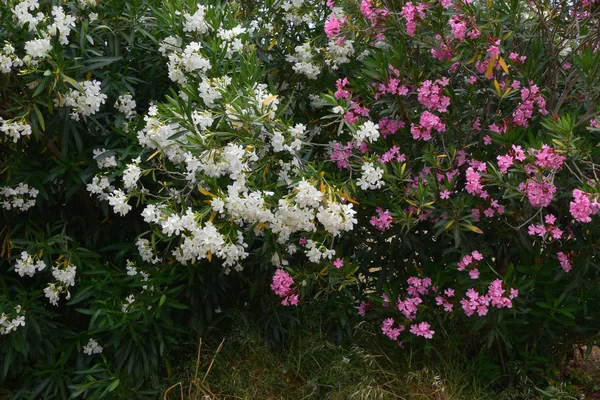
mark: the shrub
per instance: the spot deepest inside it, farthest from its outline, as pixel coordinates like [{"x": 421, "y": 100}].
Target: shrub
[{"x": 430, "y": 166}]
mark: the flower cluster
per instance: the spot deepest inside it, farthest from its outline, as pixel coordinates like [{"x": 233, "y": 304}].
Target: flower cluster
[
  {"x": 20, "y": 198},
  {"x": 282, "y": 286}
]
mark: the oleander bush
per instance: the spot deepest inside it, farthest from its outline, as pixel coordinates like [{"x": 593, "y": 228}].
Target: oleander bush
[{"x": 427, "y": 167}]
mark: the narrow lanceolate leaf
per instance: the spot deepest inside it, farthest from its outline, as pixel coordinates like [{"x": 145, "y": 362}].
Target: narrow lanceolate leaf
[
  {"x": 503, "y": 65},
  {"x": 490, "y": 68}
]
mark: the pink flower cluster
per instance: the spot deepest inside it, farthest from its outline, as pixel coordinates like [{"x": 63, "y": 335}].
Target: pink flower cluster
[
  {"x": 565, "y": 261},
  {"x": 430, "y": 95},
  {"x": 427, "y": 124},
  {"x": 549, "y": 227},
  {"x": 540, "y": 194},
  {"x": 473, "y": 261},
  {"x": 411, "y": 15},
  {"x": 442, "y": 301},
  {"x": 383, "y": 220},
  {"x": 459, "y": 26},
  {"x": 333, "y": 25},
  {"x": 394, "y": 86},
  {"x": 356, "y": 111},
  {"x": 548, "y": 158},
  {"x": 388, "y": 329},
  {"x": 363, "y": 307},
  {"x": 516, "y": 58},
  {"x": 524, "y": 112},
  {"x": 417, "y": 286},
  {"x": 341, "y": 155},
  {"x": 474, "y": 185},
  {"x": 389, "y": 127},
  {"x": 422, "y": 329},
  {"x": 476, "y": 303},
  {"x": 507, "y": 160},
  {"x": 582, "y": 208},
  {"x": 393, "y": 154},
  {"x": 282, "y": 286},
  {"x": 342, "y": 92},
  {"x": 372, "y": 13}
]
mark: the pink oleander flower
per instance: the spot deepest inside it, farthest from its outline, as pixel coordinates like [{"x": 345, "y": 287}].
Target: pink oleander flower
[
  {"x": 548, "y": 158},
  {"x": 430, "y": 95},
  {"x": 341, "y": 92},
  {"x": 473, "y": 185},
  {"x": 363, "y": 307},
  {"x": 442, "y": 302},
  {"x": 475, "y": 303},
  {"x": 389, "y": 127},
  {"x": 565, "y": 262},
  {"x": 418, "y": 286},
  {"x": 409, "y": 307},
  {"x": 302, "y": 241},
  {"x": 540, "y": 194},
  {"x": 388, "y": 329},
  {"x": 493, "y": 50},
  {"x": 505, "y": 162},
  {"x": 333, "y": 26},
  {"x": 282, "y": 286},
  {"x": 524, "y": 112},
  {"x": 411, "y": 15},
  {"x": 338, "y": 263},
  {"x": 422, "y": 329},
  {"x": 581, "y": 207},
  {"x": 383, "y": 221},
  {"x": 445, "y": 194},
  {"x": 427, "y": 123},
  {"x": 341, "y": 155},
  {"x": 393, "y": 154}
]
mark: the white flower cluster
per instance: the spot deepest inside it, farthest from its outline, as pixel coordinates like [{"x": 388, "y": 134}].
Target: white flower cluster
[
  {"x": 231, "y": 37},
  {"x": 101, "y": 186},
  {"x": 337, "y": 218},
  {"x": 196, "y": 21},
  {"x": 317, "y": 253},
  {"x": 126, "y": 104},
  {"x": 26, "y": 265},
  {"x": 146, "y": 252},
  {"x": 15, "y": 129},
  {"x": 92, "y": 347},
  {"x": 232, "y": 160},
  {"x": 265, "y": 102},
  {"x": 36, "y": 48},
  {"x": 118, "y": 200},
  {"x": 189, "y": 61},
  {"x": 86, "y": 102},
  {"x": 294, "y": 14},
  {"x": 371, "y": 177},
  {"x": 62, "y": 25},
  {"x": 202, "y": 119},
  {"x": 87, "y": 3},
  {"x": 65, "y": 275},
  {"x": 104, "y": 161},
  {"x": 210, "y": 89},
  {"x": 132, "y": 174},
  {"x": 10, "y": 323},
  {"x": 22, "y": 197},
  {"x": 338, "y": 54},
  {"x": 129, "y": 301},
  {"x": 367, "y": 132},
  {"x": 302, "y": 60},
  {"x": 9, "y": 59},
  {"x": 21, "y": 12},
  {"x": 296, "y": 134}
]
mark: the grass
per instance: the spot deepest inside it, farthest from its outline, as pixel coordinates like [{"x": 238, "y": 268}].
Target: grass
[
  {"x": 246, "y": 366},
  {"x": 242, "y": 363}
]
